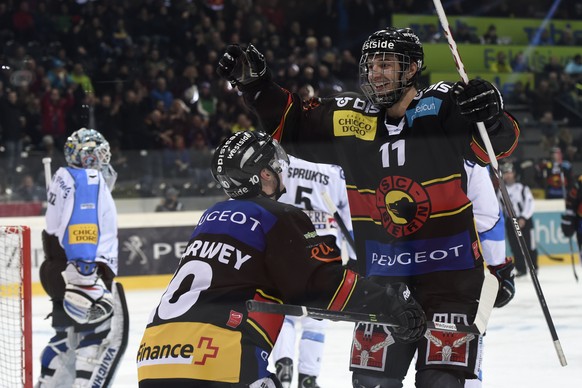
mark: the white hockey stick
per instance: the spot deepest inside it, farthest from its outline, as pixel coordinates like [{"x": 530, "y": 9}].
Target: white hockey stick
[
  {"x": 342, "y": 225},
  {"x": 47, "y": 171},
  {"x": 506, "y": 200}
]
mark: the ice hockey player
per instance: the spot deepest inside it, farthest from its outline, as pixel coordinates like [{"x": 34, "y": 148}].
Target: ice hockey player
[
  {"x": 306, "y": 185},
  {"x": 80, "y": 244},
  {"x": 402, "y": 150},
  {"x": 522, "y": 201},
  {"x": 572, "y": 217},
  {"x": 252, "y": 247}
]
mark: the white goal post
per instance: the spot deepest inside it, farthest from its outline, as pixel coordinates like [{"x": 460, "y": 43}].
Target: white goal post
[{"x": 15, "y": 307}]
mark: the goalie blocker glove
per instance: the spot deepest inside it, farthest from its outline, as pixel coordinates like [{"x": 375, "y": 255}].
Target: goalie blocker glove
[
  {"x": 86, "y": 300},
  {"x": 409, "y": 315},
  {"x": 479, "y": 101},
  {"x": 242, "y": 68},
  {"x": 506, "y": 277},
  {"x": 568, "y": 224}
]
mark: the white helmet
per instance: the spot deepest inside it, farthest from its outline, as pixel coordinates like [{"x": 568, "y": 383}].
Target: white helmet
[{"x": 87, "y": 148}]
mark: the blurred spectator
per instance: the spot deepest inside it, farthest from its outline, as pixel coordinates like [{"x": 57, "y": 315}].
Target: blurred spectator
[
  {"x": 29, "y": 190},
  {"x": 465, "y": 34},
  {"x": 176, "y": 158},
  {"x": 58, "y": 76},
  {"x": 200, "y": 157},
  {"x": 574, "y": 66},
  {"x": 490, "y": 36},
  {"x": 519, "y": 63},
  {"x": 160, "y": 92},
  {"x": 206, "y": 104},
  {"x": 48, "y": 150},
  {"x": 23, "y": 22},
  {"x": 567, "y": 37},
  {"x": 54, "y": 109},
  {"x": 519, "y": 95},
  {"x": 12, "y": 120},
  {"x": 132, "y": 113},
  {"x": 549, "y": 129},
  {"x": 542, "y": 99},
  {"x": 553, "y": 65},
  {"x": 79, "y": 77},
  {"x": 501, "y": 64},
  {"x": 243, "y": 123},
  {"x": 178, "y": 117},
  {"x": 107, "y": 119},
  {"x": 555, "y": 174},
  {"x": 170, "y": 202}
]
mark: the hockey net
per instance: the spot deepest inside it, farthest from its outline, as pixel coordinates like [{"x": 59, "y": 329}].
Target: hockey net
[{"x": 15, "y": 307}]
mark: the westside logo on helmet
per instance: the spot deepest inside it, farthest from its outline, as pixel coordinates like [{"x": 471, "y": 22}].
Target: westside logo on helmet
[{"x": 373, "y": 44}]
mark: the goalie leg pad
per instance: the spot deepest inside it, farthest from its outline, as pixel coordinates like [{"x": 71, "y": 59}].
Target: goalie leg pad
[
  {"x": 113, "y": 347},
  {"x": 58, "y": 360}
]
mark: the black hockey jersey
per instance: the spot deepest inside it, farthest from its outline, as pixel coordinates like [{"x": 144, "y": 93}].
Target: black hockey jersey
[
  {"x": 406, "y": 181},
  {"x": 243, "y": 249}
]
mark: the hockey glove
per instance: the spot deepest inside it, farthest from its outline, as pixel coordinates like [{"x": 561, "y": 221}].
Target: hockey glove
[
  {"x": 87, "y": 300},
  {"x": 408, "y": 314},
  {"x": 240, "y": 67},
  {"x": 478, "y": 101},
  {"x": 505, "y": 275},
  {"x": 568, "y": 223}
]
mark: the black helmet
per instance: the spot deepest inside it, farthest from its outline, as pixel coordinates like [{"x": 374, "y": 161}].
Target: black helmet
[
  {"x": 401, "y": 43},
  {"x": 239, "y": 159}
]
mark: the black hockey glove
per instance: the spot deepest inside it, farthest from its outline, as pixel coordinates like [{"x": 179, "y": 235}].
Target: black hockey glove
[
  {"x": 240, "y": 67},
  {"x": 479, "y": 101},
  {"x": 568, "y": 223},
  {"x": 407, "y": 312},
  {"x": 505, "y": 276}
]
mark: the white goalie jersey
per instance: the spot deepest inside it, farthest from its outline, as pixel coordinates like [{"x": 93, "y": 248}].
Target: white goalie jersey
[
  {"x": 305, "y": 183},
  {"x": 81, "y": 213},
  {"x": 487, "y": 212}
]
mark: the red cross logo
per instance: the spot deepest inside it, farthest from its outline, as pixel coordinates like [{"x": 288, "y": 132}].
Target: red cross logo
[{"x": 211, "y": 351}]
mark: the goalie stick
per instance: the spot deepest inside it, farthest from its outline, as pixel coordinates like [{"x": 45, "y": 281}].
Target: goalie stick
[
  {"x": 506, "y": 200},
  {"x": 47, "y": 171},
  {"x": 486, "y": 301}
]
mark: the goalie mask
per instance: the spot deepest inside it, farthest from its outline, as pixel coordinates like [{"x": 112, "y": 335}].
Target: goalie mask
[
  {"x": 238, "y": 161},
  {"x": 385, "y": 63},
  {"x": 87, "y": 148}
]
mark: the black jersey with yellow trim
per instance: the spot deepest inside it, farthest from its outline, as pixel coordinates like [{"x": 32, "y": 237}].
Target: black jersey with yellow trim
[
  {"x": 240, "y": 250},
  {"x": 405, "y": 176}
]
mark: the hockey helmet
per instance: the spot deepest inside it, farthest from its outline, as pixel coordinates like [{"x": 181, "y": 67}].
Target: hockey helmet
[
  {"x": 506, "y": 167},
  {"x": 87, "y": 148},
  {"x": 389, "y": 45},
  {"x": 239, "y": 159}
]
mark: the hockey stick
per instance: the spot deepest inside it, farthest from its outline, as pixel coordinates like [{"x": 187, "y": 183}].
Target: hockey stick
[
  {"x": 563, "y": 181},
  {"x": 342, "y": 225},
  {"x": 486, "y": 301},
  {"x": 545, "y": 252},
  {"x": 47, "y": 171},
  {"x": 506, "y": 200}
]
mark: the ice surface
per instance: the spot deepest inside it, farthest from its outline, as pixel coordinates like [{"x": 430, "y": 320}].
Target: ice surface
[{"x": 519, "y": 351}]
